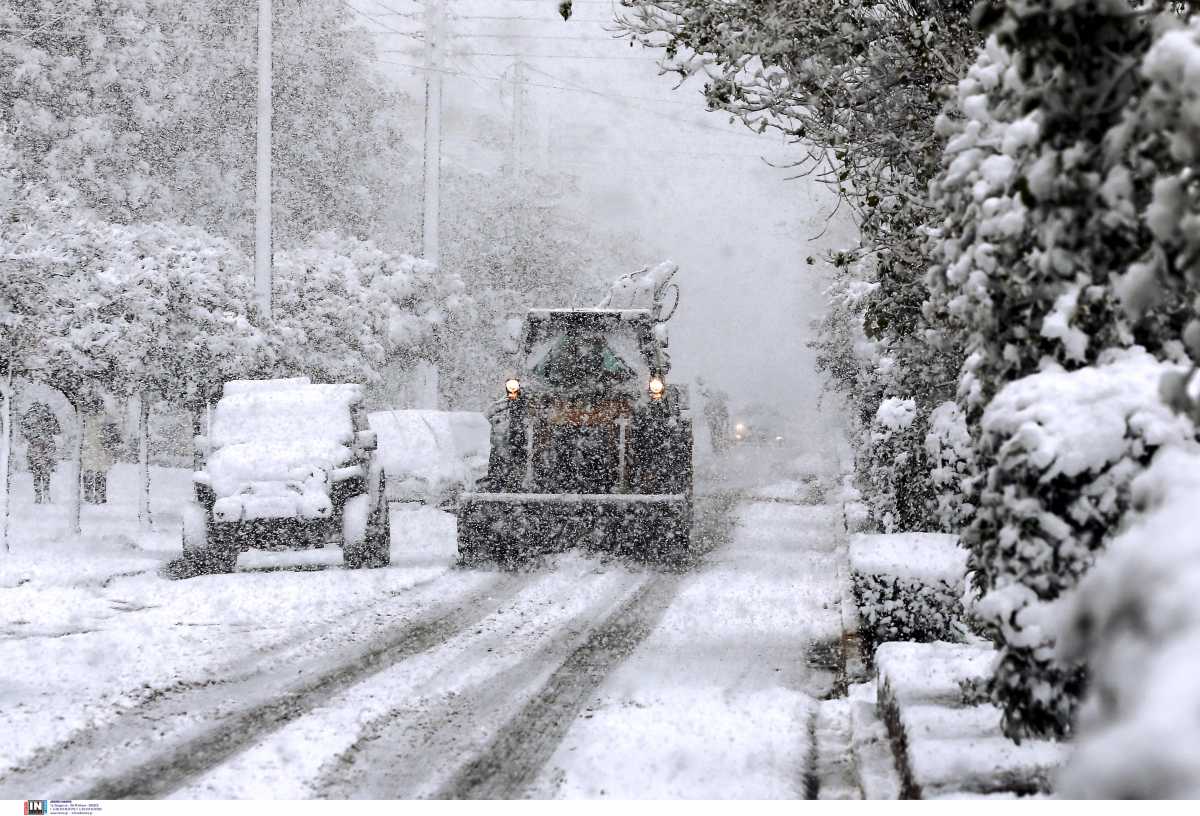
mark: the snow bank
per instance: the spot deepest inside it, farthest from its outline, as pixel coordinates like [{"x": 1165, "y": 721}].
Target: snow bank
[
  {"x": 1136, "y": 620},
  {"x": 426, "y": 454},
  {"x": 908, "y": 586}
]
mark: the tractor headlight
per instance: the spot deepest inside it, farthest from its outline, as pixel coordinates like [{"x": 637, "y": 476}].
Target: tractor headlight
[
  {"x": 656, "y": 388},
  {"x": 513, "y": 387}
]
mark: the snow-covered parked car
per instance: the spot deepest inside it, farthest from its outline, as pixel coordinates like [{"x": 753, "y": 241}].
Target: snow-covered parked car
[
  {"x": 288, "y": 464},
  {"x": 430, "y": 456}
]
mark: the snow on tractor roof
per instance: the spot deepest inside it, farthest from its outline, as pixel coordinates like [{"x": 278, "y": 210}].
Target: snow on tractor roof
[
  {"x": 590, "y": 315},
  {"x": 542, "y": 324},
  {"x": 643, "y": 289},
  {"x": 279, "y": 430}
]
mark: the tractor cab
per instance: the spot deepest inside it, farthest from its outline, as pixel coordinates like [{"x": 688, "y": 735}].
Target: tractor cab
[{"x": 588, "y": 430}]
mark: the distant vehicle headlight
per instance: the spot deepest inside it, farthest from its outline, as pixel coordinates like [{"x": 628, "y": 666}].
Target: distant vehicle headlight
[
  {"x": 740, "y": 428},
  {"x": 513, "y": 387},
  {"x": 656, "y": 388}
]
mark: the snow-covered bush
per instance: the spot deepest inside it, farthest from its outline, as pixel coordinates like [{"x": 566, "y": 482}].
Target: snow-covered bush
[
  {"x": 950, "y": 457},
  {"x": 1064, "y": 448},
  {"x": 908, "y": 586},
  {"x": 1135, "y": 620},
  {"x": 1040, "y": 214},
  {"x": 895, "y": 470}
]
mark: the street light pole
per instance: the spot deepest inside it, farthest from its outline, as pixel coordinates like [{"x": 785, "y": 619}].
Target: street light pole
[{"x": 262, "y": 175}]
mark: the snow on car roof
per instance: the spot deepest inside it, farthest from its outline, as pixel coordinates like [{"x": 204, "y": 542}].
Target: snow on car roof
[
  {"x": 257, "y": 386},
  {"x": 268, "y": 430},
  {"x": 288, "y": 413}
]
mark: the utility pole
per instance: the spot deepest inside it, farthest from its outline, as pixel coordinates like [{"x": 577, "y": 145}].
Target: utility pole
[
  {"x": 262, "y": 174},
  {"x": 434, "y": 34},
  {"x": 518, "y": 123}
]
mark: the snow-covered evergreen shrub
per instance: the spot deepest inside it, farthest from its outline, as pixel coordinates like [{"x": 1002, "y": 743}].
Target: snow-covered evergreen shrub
[
  {"x": 1033, "y": 225},
  {"x": 895, "y": 470},
  {"x": 950, "y": 457},
  {"x": 1135, "y": 620},
  {"x": 1040, "y": 215},
  {"x": 907, "y": 586},
  {"x": 1064, "y": 448}
]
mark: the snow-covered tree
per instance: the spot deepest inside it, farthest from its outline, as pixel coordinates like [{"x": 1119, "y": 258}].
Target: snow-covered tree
[
  {"x": 145, "y": 109},
  {"x": 344, "y": 309},
  {"x": 857, "y": 85}
]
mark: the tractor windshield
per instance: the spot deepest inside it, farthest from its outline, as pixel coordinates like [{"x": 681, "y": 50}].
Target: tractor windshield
[{"x": 582, "y": 363}]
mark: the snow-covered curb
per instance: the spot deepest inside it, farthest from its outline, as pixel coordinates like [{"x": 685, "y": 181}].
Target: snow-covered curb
[{"x": 943, "y": 745}]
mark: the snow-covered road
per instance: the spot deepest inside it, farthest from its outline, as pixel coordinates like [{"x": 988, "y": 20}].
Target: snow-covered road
[{"x": 585, "y": 676}]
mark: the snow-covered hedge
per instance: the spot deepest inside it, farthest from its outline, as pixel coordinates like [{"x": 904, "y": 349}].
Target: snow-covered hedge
[
  {"x": 894, "y": 466},
  {"x": 1135, "y": 619},
  {"x": 908, "y": 586},
  {"x": 1065, "y": 448},
  {"x": 951, "y": 461}
]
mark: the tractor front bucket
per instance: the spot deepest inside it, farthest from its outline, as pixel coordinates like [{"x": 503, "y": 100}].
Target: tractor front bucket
[{"x": 511, "y": 527}]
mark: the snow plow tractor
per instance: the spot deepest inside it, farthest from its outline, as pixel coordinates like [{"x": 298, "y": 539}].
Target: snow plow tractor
[
  {"x": 591, "y": 444},
  {"x": 287, "y": 464}
]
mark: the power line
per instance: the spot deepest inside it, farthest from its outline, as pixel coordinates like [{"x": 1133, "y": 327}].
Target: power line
[
  {"x": 514, "y": 55},
  {"x": 391, "y": 12},
  {"x": 618, "y": 98},
  {"x": 372, "y": 17}
]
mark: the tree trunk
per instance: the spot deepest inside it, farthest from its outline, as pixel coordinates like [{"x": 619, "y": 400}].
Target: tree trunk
[
  {"x": 77, "y": 491},
  {"x": 197, "y": 426},
  {"x": 6, "y": 438},
  {"x": 144, "y": 519}
]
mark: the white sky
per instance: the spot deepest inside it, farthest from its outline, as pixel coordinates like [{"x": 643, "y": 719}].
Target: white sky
[{"x": 648, "y": 157}]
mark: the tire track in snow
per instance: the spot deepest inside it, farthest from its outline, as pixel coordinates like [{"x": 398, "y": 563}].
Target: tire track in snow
[
  {"x": 169, "y": 770},
  {"x": 509, "y": 764},
  {"x": 277, "y": 696},
  {"x": 295, "y": 647}
]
